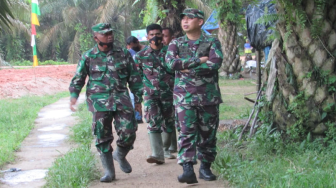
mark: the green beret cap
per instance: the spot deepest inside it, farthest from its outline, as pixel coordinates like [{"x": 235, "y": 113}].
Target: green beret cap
[
  {"x": 102, "y": 28},
  {"x": 192, "y": 13}
]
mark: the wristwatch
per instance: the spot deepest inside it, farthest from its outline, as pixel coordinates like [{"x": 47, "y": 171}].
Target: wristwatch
[{"x": 197, "y": 60}]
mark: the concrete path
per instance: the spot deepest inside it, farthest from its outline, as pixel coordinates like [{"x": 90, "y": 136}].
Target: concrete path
[{"x": 46, "y": 142}]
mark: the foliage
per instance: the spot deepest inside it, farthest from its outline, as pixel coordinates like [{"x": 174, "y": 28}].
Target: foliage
[
  {"x": 268, "y": 161},
  {"x": 17, "y": 117},
  {"x": 5, "y": 13},
  {"x": 30, "y": 63},
  {"x": 85, "y": 38},
  {"x": 75, "y": 169}
]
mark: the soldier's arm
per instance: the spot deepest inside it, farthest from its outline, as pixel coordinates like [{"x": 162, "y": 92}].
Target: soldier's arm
[
  {"x": 78, "y": 81},
  {"x": 213, "y": 63},
  {"x": 177, "y": 63},
  {"x": 134, "y": 80}
]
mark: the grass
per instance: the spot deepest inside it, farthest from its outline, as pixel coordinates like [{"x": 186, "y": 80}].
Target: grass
[
  {"x": 234, "y": 105},
  {"x": 77, "y": 168},
  {"x": 74, "y": 169},
  {"x": 266, "y": 160},
  {"x": 17, "y": 118}
]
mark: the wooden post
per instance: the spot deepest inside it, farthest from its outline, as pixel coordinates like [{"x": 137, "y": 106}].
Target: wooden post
[{"x": 258, "y": 60}]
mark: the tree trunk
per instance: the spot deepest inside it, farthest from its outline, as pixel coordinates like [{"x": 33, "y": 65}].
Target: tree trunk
[
  {"x": 227, "y": 35},
  {"x": 172, "y": 18},
  {"x": 300, "y": 77}
]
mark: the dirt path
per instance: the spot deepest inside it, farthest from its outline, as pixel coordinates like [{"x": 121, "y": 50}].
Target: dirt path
[
  {"x": 46, "y": 142},
  {"x": 145, "y": 175}
]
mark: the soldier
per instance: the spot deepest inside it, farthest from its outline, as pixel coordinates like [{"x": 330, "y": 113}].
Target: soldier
[
  {"x": 168, "y": 36},
  {"x": 158, "y": 95},
  {"x": 196, "y": 59},
  {"x": 109, "y": 69}
]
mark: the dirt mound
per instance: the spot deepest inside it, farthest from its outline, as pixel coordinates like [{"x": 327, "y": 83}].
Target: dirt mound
[{"x": 41, "y": 80}]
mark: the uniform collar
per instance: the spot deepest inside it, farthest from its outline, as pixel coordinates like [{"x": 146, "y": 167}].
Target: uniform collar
[
  {"x": 150, "y": 50},
  {"x": 96, "y": 50},
  {"x": 198, "y": 41}
]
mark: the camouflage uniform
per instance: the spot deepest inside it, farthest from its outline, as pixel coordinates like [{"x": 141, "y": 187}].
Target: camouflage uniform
[
  {"x": 196, "y": 96},
  {"x": 158, "y": 85},
  {"x": 107, "y": 94}
]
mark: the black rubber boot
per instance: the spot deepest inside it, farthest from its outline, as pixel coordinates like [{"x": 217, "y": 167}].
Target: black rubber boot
[
  {"x": 107, "y": 161},
  {"x": 188, "y": 175},
  {"x": 120, "y": 156},
  {"x": 205, "y": 172}
]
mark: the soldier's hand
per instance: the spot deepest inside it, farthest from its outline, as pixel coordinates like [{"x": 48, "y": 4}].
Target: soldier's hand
[
  {"x": 178, "y": 57},
  {"x": 204, "y": 59},
  {"x": 73, "y": 102},
  {"x": 138, "y": 108},
  {"x": 185, "y": 71}
]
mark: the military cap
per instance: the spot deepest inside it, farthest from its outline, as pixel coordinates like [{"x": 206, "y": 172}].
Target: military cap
[
  {"x": 192, "y": 13},
  {"x": 102, "y": 28}
]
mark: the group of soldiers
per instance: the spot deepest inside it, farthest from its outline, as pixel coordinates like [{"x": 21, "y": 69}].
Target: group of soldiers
[{"x": 178, "y": 83}]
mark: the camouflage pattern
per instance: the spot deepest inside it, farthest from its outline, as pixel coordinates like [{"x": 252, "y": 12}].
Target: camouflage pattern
[
  {"x": 102, "y": 28},
  {"x": 106, "y": 91},
  {"x": 196, "y": 95},
  {"x": 192, "y": 13},
  {"x": 158, "y": 84},
  {"x": 198, "y": 127},
  {"x": 200, "y": 86},
  {"x": 124, "y": 124}
]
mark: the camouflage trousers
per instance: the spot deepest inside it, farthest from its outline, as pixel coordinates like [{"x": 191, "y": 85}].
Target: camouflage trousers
[
  {"x": 125, "y": 126},
  {"x": 198, "y": 127},
  {"x": 159, "y": 114}
]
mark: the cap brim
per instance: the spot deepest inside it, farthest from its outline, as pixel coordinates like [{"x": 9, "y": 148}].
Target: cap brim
[
  {"x": 105, "y": 31},
  {"x": 186, "y": 14}
]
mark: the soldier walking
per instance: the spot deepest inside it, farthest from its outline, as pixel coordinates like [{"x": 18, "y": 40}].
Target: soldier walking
[
  {"x": 196, "y": 58},
  {"x": 158, "y": 95},
  {"x": 109, "y": 69}
]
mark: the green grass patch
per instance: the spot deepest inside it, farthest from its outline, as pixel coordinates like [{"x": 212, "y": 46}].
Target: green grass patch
[
  {"x": 234, "y": 105},
  {"x": 77, "y": 168},
  {"x": 17, "y": 118},
  {"x": 74, "y": 169},
  {"x": 30, "y": 63},
  {"x": 266, "y": 161}
]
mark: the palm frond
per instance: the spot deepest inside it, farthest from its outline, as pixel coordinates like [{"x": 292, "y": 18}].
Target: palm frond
[{"x": 50, "y": 36}]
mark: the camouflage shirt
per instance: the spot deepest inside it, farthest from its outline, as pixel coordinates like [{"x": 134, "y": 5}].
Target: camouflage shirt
[
  {"x": 108, "y": 73},
  {"x": 200, "y": 86},
  {"x": 157, "y": 79}
]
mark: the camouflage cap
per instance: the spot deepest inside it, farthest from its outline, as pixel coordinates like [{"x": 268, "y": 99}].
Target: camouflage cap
[
  {"x": 192, "y": 13},
  {"x": 102, "y": 28}
]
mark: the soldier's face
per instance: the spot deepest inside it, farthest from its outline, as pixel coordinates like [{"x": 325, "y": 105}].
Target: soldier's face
[
  {"x": 191, "y": 24},
  {"x": 154, "y": 33},
  {"x": 167, "y": 37},
  {"x": 105, "y": 38}
]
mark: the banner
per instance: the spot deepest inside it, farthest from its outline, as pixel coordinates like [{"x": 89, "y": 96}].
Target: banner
[{"x": 35, "y": 11}]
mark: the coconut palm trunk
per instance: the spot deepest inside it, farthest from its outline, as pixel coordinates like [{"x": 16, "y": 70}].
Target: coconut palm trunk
[
  {"x": 227, "y": 35},
  {"x": 300, "y": 79}
]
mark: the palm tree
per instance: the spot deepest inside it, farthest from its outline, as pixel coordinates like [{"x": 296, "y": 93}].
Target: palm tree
[
  {"x": 14, "y": 29},
  {"x": 73, "y": 27},
  {"x": 301, "y": 85}
]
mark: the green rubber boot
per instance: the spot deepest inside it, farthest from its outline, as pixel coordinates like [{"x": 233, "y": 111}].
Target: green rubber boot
[
  {"x": 166, "y": 140},
  {"x": 120, "y": 156},
  {"x": 157, "y": 149},
  {"x": 107, "y": 161}
]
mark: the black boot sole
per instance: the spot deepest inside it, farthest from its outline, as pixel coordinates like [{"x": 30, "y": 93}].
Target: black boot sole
[
  {"x": 206, "y": 179},
  {"x": 154, "y": 160},
  {"x": 189, "y": 181}
]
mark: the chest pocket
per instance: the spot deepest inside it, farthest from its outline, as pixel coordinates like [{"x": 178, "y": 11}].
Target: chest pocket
[
  {"x": 97, "y": 70},
  {"x": 184, "y": 52},
  {"x": 203, "y": 49}
]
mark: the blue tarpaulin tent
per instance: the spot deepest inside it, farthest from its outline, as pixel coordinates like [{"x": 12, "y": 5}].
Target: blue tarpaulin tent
[{"x": 211, "y": 23}]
